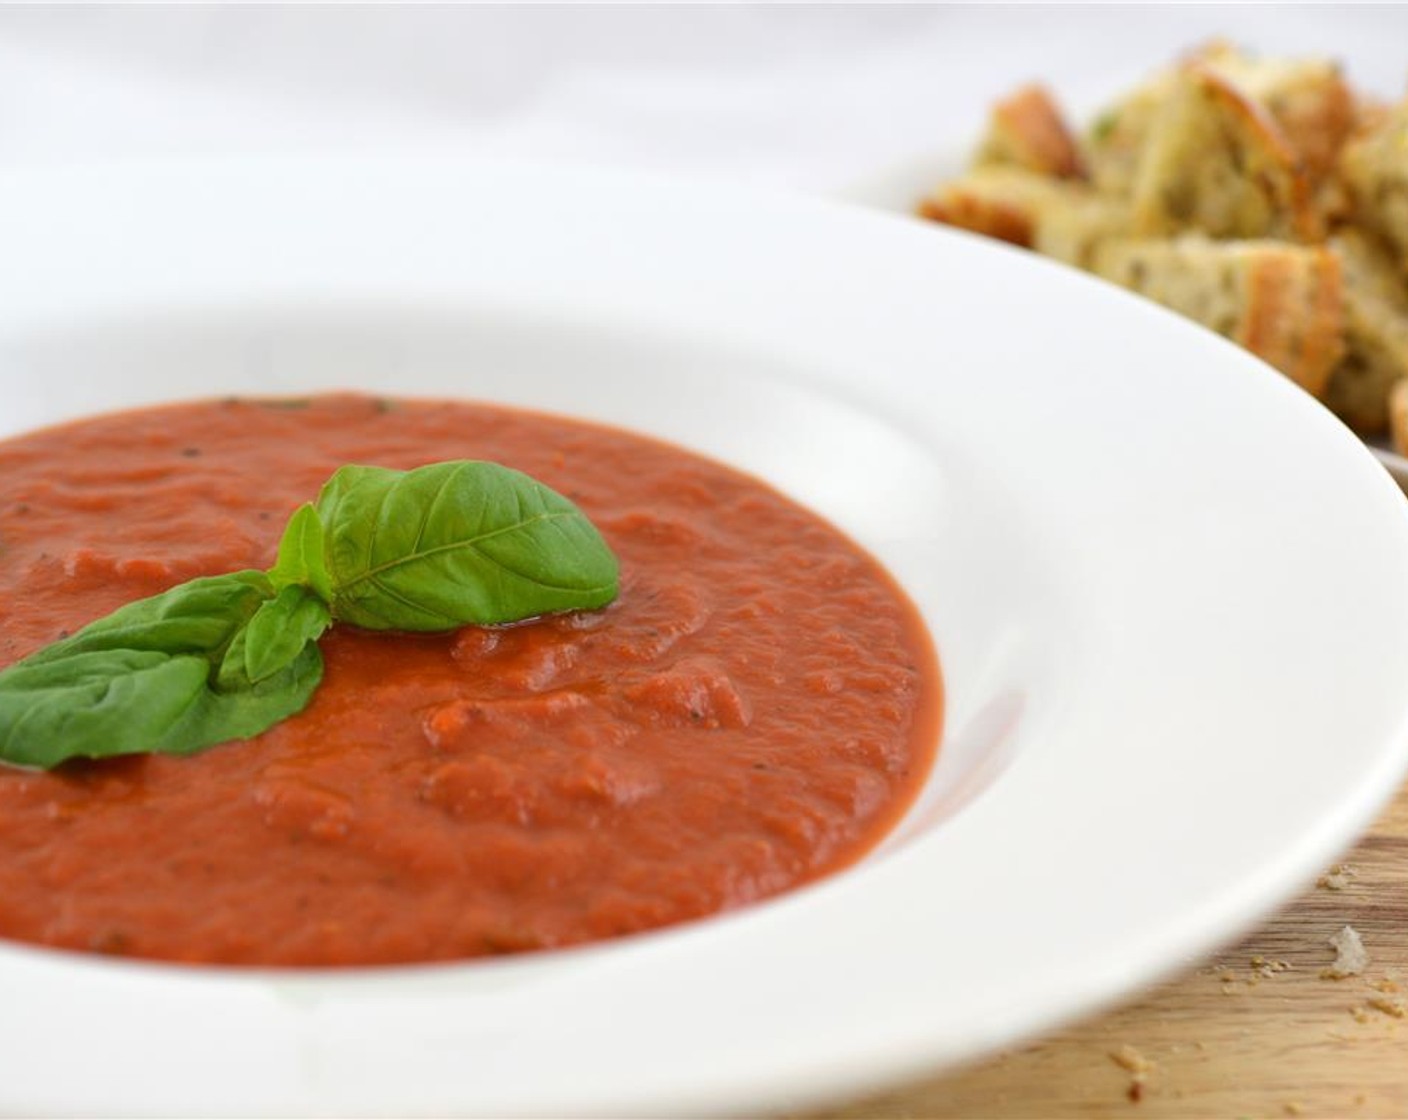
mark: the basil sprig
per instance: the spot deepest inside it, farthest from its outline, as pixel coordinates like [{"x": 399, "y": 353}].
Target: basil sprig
[
  {"x": 226, "y": 657},
  {"x": 445, "y": 545}
]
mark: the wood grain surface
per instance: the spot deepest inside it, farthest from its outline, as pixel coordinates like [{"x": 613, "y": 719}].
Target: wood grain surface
[{"x": 1257, "y": 1030}]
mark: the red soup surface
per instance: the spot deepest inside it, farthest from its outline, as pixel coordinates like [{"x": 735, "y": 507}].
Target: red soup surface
[{"x": 757, "y": 709}]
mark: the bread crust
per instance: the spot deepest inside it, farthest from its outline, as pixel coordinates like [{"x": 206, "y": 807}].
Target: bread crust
[
  {"x": 991, "y": 203},
  {"x": 1294, "y": 314},
  {"x": 1026, "y": 129}
]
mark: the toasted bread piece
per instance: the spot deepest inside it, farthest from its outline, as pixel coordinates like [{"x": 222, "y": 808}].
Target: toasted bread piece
[
  {"x": 1374, "y": 168},
  {"x": 1307, "y": 97},
  {"x": 1114, "y": 143},
  {"x": 1027, "y": 130},
  {"x": 1000, "y": 202},
  {"x": 1074, "y": 226},
  {"x": 1057, "y": 218},
  {"x": 1217, "y": 163},
  {"x": 1376, "y": 334},
  {"x": 1282, "y": 302}
]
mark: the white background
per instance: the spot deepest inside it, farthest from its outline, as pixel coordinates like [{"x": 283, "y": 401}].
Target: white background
[{"x": 804, "y": 96}]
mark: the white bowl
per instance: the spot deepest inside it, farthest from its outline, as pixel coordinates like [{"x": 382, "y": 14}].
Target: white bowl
[{"x": 1167, "y": 590}]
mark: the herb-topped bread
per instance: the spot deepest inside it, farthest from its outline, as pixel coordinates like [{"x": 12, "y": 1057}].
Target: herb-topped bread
[
  {"x": 1060, "y": 218},
  {"x": 1027, "y": 130},
  {"x": 1282, "y": 302},
  {"x": 1216, "y": 162},
  {"x": 1261, "y": 197}
]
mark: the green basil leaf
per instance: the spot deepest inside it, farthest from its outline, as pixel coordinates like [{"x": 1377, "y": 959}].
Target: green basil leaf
[
  {"x": 457, "y": 543},
  {"x": 279, "y": 630},
  {"x": 300, "y": 559},
  {"x": 200, "y": 617},
  {"x": 144, "y": 679}
]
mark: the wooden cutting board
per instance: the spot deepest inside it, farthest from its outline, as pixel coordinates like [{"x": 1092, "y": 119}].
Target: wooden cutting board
[{"x": 1255, "y": 1030}]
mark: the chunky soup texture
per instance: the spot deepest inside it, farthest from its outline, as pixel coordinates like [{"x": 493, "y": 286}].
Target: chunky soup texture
[{"x": 756, "y": 709}]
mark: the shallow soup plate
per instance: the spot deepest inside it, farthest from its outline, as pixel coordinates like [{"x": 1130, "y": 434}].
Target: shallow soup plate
[{"x": 1166, "y": 591}]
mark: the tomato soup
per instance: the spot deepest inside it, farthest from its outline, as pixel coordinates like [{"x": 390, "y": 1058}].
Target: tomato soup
[{"x": 757, "y": 708}]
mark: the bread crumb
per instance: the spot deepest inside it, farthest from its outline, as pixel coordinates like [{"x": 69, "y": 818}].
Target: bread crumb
[
  {"x": 1337, "y": 878},
  {"x": 1264, "y": 967},
  {"x": 1350, "y": 956},
  {"x": 1360, "y": 1014},
  {"x": 1387, "y": 984},
  {"x": 1137, "y": 1066},
  {"x": 1128, "y": 1058},
  {"x": 1292, "y": 1108},
  {"x": 1227, "y": 976},
  {"x": 1388, "y": 1006}
]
